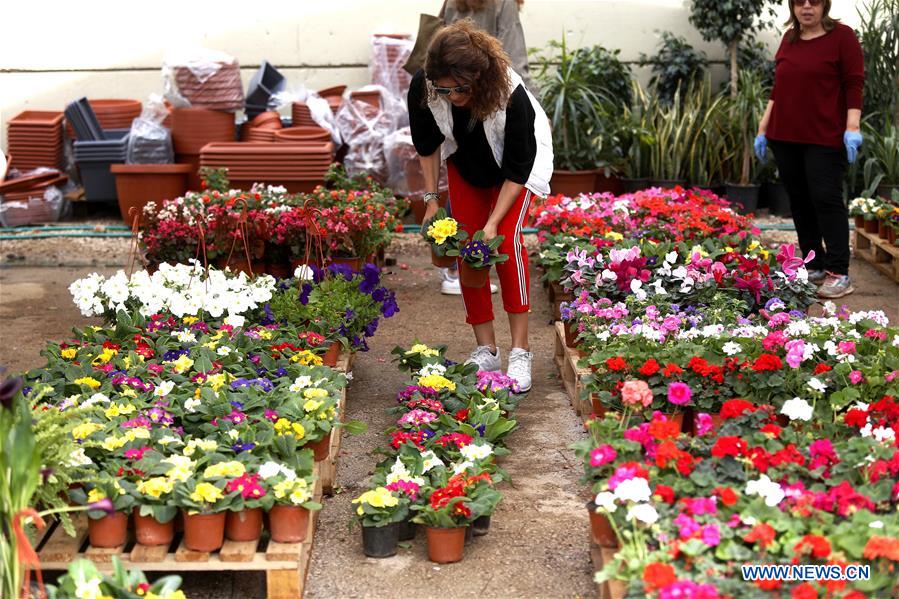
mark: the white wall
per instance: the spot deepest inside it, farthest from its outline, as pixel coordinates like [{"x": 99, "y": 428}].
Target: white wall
[{"x": 54, "y": 51}]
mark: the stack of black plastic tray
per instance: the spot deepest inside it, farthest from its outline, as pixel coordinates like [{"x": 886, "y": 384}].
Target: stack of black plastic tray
[
  {"x": 95, "y": 150},
  {"x": 265, "y": 83}
]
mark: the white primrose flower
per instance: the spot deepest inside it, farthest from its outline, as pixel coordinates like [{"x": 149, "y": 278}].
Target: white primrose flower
[
  {"x": 185, "y": 337},
  {"x": 223, "y": 351},
  {"x": 606, "y": 501},
  {"x": 78, "y": 458},
  {"x": 461, "y": 467},
  {"x": 430, "y": 369},
  {"x": 476, "y": 452},
  {"x": 635, "y": 489},
  {"x": 191, "y": 405},
  {"x": 797, "y": 409},
  {"x": 430, "y": 461},
  {"x": 164, "y": 388},
  {"x": 88, "y": 589},
  {"x": 644, "y": 513},
  {"x": 95, "y": 399},
  {"x": 876, "y": 524},
  {"x": 300, "y": 383}
]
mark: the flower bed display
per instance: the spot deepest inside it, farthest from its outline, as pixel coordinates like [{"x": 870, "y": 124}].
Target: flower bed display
[
  {"x": 730, "y": 427},
  {"x": 268, "y": 229},
  {"x": 440, "y": 469}
]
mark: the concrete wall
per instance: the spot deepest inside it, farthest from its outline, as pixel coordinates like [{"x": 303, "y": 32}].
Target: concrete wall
[{"x": 54, "y": 51}]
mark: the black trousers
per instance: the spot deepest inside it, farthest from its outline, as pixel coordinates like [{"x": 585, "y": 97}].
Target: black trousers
[{"x": 813, "y": 178}]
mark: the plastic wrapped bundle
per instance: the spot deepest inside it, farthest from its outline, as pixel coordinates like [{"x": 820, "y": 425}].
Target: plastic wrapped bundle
[
  {"x": 150, "y": 142},
  {"x": 203, "y": 79},
  {"x": 364, "y": 126},
  {"x": 389, "y": 53},
  {"x": 405, "y": 174}
]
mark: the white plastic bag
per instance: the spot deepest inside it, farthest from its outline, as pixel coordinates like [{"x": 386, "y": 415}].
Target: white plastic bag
[
  {"x": 44, "y": 206},
  {"x": 405, "y": 174},
  {"x": 150, "y": 142},
  {"x": 319, "y": 108},
  {"x": 388, "y": 55}
]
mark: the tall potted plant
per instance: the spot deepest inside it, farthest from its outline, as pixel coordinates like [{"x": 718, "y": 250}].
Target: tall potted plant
[
  {"x": 573, "y": 107},
  {"x": 746, "y": 109},
  {"x": 881, "y": 170}
]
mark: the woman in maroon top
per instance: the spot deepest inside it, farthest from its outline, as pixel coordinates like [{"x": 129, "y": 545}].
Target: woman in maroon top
[{"x": 812, "y": 126}]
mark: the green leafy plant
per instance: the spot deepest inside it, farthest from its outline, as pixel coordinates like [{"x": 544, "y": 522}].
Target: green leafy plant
[
  {"x": 603, "y": 69},
  {"x": 879, "y": 38},
  {"x": 675, "y": 65},
  {"x": 745, "y": 109},
  {"x": 882, "y": 151},
  {"x": 478, "y": 253},
  {"x": 82, "y": 579},
  {"x": 214, "y": 179}
]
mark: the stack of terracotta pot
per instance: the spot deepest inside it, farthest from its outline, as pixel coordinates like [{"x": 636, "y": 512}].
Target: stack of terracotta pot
[
  {"x": 35, "y": 139},
  {"x": 221, "y": 90},
  {"x": 390, "y": 51},
  {"x": 24, "y": 202},
  {"x": 302, "y": 134},
  {"x": 262, "y": 127},
  {"x": 112, "y": 114},
  {"x": 299, "y": 167},
  {"x": 193, "y": 128},
  {"x": 301, "y": 115},
  {"x": 334, "y": 96}
]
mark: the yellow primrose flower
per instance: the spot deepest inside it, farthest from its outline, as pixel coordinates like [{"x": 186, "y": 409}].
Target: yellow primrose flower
[
  {"x": 69, "y": 353},
  {"x": 437, "y": 382},
  {"x": 210, "y": 345},
  {"x": 218, "y": 336},
  {"x": 225, "y": 469},
  {"x": 424, "y": 350},
  {"x": 439, "y": 230},
  {"x": 116, "y": 410},
  {"x": 728, "y": 250},
  {"x": 306, "y": 357},
  {"x": 265, "y": 334},
  {"x": 216, "y": 381},
  {"x": 285, "y": 428},
  {"x": 129, "y": 392},
  {"x": 379, "y": 497},
  {"x": 182, "y": 364},
  {"x": 83, "y": 431},
  {"x": 89, "y": 381},
  {"x": 114, "y": 442},
  {"x": 95, "y": 495},
  {"x": 105, "y": 356},
  {"x": 206, "y": 492},
  {"x": 315, "y": 393},
  {"x": 311, "y": 405},
  {"x": 155, "y": 487},
  {"x": 139, "y": 433},
  {"x": 189, "y": 320},
  {"x": 614, "y": 235},
  {"x": 300, "y": 496}
]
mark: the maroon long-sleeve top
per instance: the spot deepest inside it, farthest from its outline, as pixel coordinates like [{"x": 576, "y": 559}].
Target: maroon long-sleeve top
[{"x": 815, "y": 82}]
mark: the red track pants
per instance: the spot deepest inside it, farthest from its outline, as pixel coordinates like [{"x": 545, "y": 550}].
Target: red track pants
[{"x": 472, "y": 206}]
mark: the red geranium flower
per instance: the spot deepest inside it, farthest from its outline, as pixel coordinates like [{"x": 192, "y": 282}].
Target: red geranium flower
[
  {"x": 665, "y": 493},
  {"x": 658, "y": 576},
  {"x": 616, "y": 364},
  {"x": 816, "y": 545},
  {"x": 649, "y": 368},
  {"x": 763, "y": 534},
  {"x": 822, "y": 368},
  {"x": 729, "y": 446},
  {"x": 767, "y": 362},
  {"x": 728, "y": 496},
  {"x": 804, "y": 591},
  {"x": 735, "y": 407},
  {"x": 671, "y": 370}
]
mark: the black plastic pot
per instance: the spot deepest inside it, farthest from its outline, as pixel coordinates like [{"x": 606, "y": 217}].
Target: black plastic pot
[
  {"x": 380, "y": 541},
  {"x": 407, "y": 530},
  {"x": 668, "y": 183},
  {"x": 779, "y": 200},
  {"x": 632, "y": 185},
  {"x": 744, "y": 197},
  {"x": 469, "y": 534},
  {"x": 481, "y": 526}
]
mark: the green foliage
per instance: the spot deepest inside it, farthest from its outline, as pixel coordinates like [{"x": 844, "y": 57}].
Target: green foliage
[
  {"x": 728, "y": 21},
  {"x": 881, "y": 166},
  {"x": 675, "y": 65},
  {"x": 754, "y": 56},
  {"x": 83, "y": 577},
  {"x": 879, "y": 37},
  {"x": 215, "y": 179},
  {"x": 602, "y": 69},
  {"x": 745, "y": 111}
]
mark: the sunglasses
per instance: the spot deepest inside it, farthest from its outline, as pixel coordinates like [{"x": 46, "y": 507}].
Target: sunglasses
[
  {"x": 802, "y": 2},
  {"x": 459, "y": 89}
]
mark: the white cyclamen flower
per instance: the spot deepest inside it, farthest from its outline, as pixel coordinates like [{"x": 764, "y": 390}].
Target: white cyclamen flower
[
  {"x": 797, "y": 409},
  {"x": 644, "y": 513}
]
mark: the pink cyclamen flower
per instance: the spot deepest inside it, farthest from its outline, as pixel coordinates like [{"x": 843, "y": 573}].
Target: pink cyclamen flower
[
  {"x": 602, "y": 455},
  {"x": 679, "y": 393},
  {"x": 855, "y": 377},
  {"x": 636, "y": 392}
]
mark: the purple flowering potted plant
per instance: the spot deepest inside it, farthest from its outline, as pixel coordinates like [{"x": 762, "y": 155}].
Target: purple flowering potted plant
[{"x": 478, "y": 255}]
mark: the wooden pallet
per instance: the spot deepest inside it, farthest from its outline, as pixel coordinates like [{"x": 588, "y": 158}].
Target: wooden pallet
[
  {"x": 611, "y": 589},
  {"x": 567, "y": 359},
  {"x": 882, "y": 255},
  {"x": 329, "y": 466},
  {"x": 285, "y": 564}
]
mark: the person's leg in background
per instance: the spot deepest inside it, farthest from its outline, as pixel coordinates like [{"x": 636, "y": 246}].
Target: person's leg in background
[
  {"x": 824, "y": 168},
  {"x": 791, "y": 165},
  {"x": 471, "y": 207},
  {"x": 514, "y": 278}
]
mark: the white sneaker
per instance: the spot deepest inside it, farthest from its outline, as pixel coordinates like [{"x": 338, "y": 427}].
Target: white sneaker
[
  {"x": 520, "y": 368},
  {"x": 450, "y": 284},
  {"x": 485, "y": 359}
]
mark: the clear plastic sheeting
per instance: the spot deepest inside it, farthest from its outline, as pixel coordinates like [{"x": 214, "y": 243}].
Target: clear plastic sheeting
[
  {"x": 150, "y": 142},
  {"x": 389, "y": 53},
  {"x": 365, "y": 127},
  {"x": 42, "y": 206},
  {"x": 319, "y": 109},
  {"x": 405, "y": 174},
  {"x": 202, "y": 78}
]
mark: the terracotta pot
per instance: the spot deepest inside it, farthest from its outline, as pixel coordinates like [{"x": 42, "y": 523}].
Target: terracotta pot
[
  {"x": 678, "y": 419},
  {"x": 445, "y": 545},
  {"x": 372, "y": 98},
  {"x": 108, "y": 531},
  {"x": 607, "y": 184},
  {"x": 194, "y": 183},
  {"x": 883, "y": 229},
  {"x": 302, "y": 133},
  {"x": 204, "y": 532},
  {"x": 859, "y": 221},
  {"x": 891, "y": 237},
  {"x": 288, "y": 523},
  {"x": 572, "y": 183},
  {"x": 353, "y": 263},
  {"x": 331, "y": 92},
  {"x": 266, "y": 120},
  {"x": 193, "y": 128},
  {"x": 301, "y": 116},
  {"x": 245, "y": 525},
  {"x": 441, "y": 261},
  {"x": 717, "y": 420},
  {"x": 321, "y": 449},
  {"x": 871, "y": 225},
  {"x": 333, "y": 354},
  {"x": 571, "y": 333},
  {"x": 596, "y": 404},
  {"x": 150, "y": 531},
  {"x": 600, "y": 528},
  {"x": 139, "y": 184},
  {"x": 473, "y": 277}
]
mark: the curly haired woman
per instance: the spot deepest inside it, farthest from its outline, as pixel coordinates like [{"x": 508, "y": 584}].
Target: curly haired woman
[{"x": 470, "y": 108}]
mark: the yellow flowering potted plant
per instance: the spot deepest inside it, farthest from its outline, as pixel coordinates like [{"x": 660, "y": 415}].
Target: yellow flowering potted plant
[
  {"x": 154, "y": 509},
  {"x": 203, "y": 505},
  {"x": 442, "y": 233},
  {"x": 105, "y": 529},
  {"x": 293, "y": 493},
  {"x": 416, "y": 357},
  {"x": 381, "y": 511}
]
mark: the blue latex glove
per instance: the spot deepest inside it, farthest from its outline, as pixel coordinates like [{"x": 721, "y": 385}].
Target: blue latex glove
[
  {"x": 761, "y": 147},
  {"x": 853, "y": 141}
]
